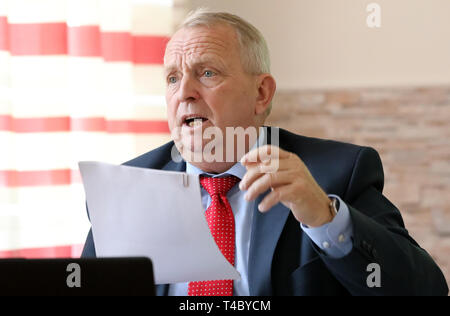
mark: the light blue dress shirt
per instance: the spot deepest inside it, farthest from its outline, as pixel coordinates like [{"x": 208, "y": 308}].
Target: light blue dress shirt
[{"x": 334, "y": 238}]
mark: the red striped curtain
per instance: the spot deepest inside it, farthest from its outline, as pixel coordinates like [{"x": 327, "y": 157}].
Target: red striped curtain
[{"x": 79, "y": 80}]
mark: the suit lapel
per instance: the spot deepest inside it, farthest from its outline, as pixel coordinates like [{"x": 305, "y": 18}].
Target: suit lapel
[
  {"x": 175, "y": 166},
  {"x": 266, "y": 231}
]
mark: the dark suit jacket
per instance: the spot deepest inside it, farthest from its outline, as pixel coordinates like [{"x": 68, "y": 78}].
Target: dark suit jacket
[{"x": 284, "y": 261}]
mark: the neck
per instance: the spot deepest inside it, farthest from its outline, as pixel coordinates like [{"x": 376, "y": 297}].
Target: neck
[{"x": 214, "y": 168}]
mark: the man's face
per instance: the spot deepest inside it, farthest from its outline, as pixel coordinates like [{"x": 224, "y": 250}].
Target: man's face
[{"x": 206, "y": 80}]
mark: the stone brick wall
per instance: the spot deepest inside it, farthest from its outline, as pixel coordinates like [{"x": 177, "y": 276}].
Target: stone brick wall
[{"x": 409, "y": 127}]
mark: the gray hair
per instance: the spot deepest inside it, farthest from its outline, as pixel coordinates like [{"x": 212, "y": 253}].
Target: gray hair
[{"x": 255, "y": 56}]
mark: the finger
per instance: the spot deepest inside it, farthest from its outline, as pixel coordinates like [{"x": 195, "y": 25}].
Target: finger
[
  {"x": 269, "y": 180},
  {"x": 256, "y": 170},
  {"x": 250, "y": 176},
  {"x": 273, "y": 198},
  {"x": 271, "y": 165},
  {"x": 263, "y": 153}
]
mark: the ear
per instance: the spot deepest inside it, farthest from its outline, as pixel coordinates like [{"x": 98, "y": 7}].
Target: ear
[{"x": 266, "y": 87}]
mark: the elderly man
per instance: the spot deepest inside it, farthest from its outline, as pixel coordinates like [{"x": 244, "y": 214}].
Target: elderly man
[{"x": 297, "y": 216}]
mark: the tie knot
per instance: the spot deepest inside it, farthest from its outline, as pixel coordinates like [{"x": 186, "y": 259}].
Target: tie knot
[{"x": 219, "y": 186}]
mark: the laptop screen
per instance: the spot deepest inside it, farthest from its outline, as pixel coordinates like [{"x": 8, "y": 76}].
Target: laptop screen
[{"x": 85, "y": 276}]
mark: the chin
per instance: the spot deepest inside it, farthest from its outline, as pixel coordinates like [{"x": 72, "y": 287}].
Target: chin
[
  {"x": 193, "y": 145},
  {"x": 190, "y": 149}
]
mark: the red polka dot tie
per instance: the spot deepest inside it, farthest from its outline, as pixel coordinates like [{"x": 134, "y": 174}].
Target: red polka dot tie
[{"x": 220, "y": 220}]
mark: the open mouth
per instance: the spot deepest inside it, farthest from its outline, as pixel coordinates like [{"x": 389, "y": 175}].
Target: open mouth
[{"x": 194, "y": 120}]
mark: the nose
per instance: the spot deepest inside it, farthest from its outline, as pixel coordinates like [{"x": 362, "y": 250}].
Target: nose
[{"x": 188, "y": 90}]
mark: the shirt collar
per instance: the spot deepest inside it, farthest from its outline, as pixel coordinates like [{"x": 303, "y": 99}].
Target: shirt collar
[{"x": 237, "y": 170}]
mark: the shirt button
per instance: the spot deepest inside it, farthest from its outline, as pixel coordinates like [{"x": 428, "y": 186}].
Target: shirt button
[
  {"x": 341, "y": 238},
  {"x": 326, "y": 245}
]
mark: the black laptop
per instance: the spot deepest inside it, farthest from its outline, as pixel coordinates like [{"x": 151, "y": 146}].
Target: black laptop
[{"x": 87, "y": 276}]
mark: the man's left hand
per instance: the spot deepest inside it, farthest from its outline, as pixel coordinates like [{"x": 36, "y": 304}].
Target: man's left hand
[{"x": 269, "y": 167}]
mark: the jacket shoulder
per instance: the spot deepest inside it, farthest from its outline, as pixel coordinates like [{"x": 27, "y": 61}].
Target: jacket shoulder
[
  {"x": 154, "y": 159},
  {"x": 313, "y": 146},
  {"x": 334, "y": 164}
]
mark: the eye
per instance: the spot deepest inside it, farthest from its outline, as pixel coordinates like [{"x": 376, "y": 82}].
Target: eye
[
  {"x": 172, "y": 79},
  {"x": 208, "y": 73}
]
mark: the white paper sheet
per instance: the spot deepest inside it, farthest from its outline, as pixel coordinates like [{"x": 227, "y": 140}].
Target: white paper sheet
[{"x": 153, "y": 213}]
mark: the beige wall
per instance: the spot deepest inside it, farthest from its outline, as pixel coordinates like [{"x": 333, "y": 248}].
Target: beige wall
[{"x": 327, "y": 44}]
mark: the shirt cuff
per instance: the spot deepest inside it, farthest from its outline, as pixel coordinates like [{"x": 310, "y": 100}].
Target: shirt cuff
[{"x": 334, "y": 238}]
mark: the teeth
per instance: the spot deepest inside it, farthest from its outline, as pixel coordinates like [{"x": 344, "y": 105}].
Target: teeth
[{"x": 196, "y": 122}]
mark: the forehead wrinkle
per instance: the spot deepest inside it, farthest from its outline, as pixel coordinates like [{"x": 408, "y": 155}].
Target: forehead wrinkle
[
  {"x": 206, "y": 40},
  {"x": 194, "y": 55},
  {"x": 202, "y": 38},
  {"x": 197, "y": 47},
  {"x": 187, "y": 46},
  {"x": 198, "y": 41}
]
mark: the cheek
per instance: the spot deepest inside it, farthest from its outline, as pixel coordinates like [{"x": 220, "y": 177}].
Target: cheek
[
  {"x": 240, "y": 104},
  {"x": 230, "y": 100},
  {"x": 171, "y": 112}
]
